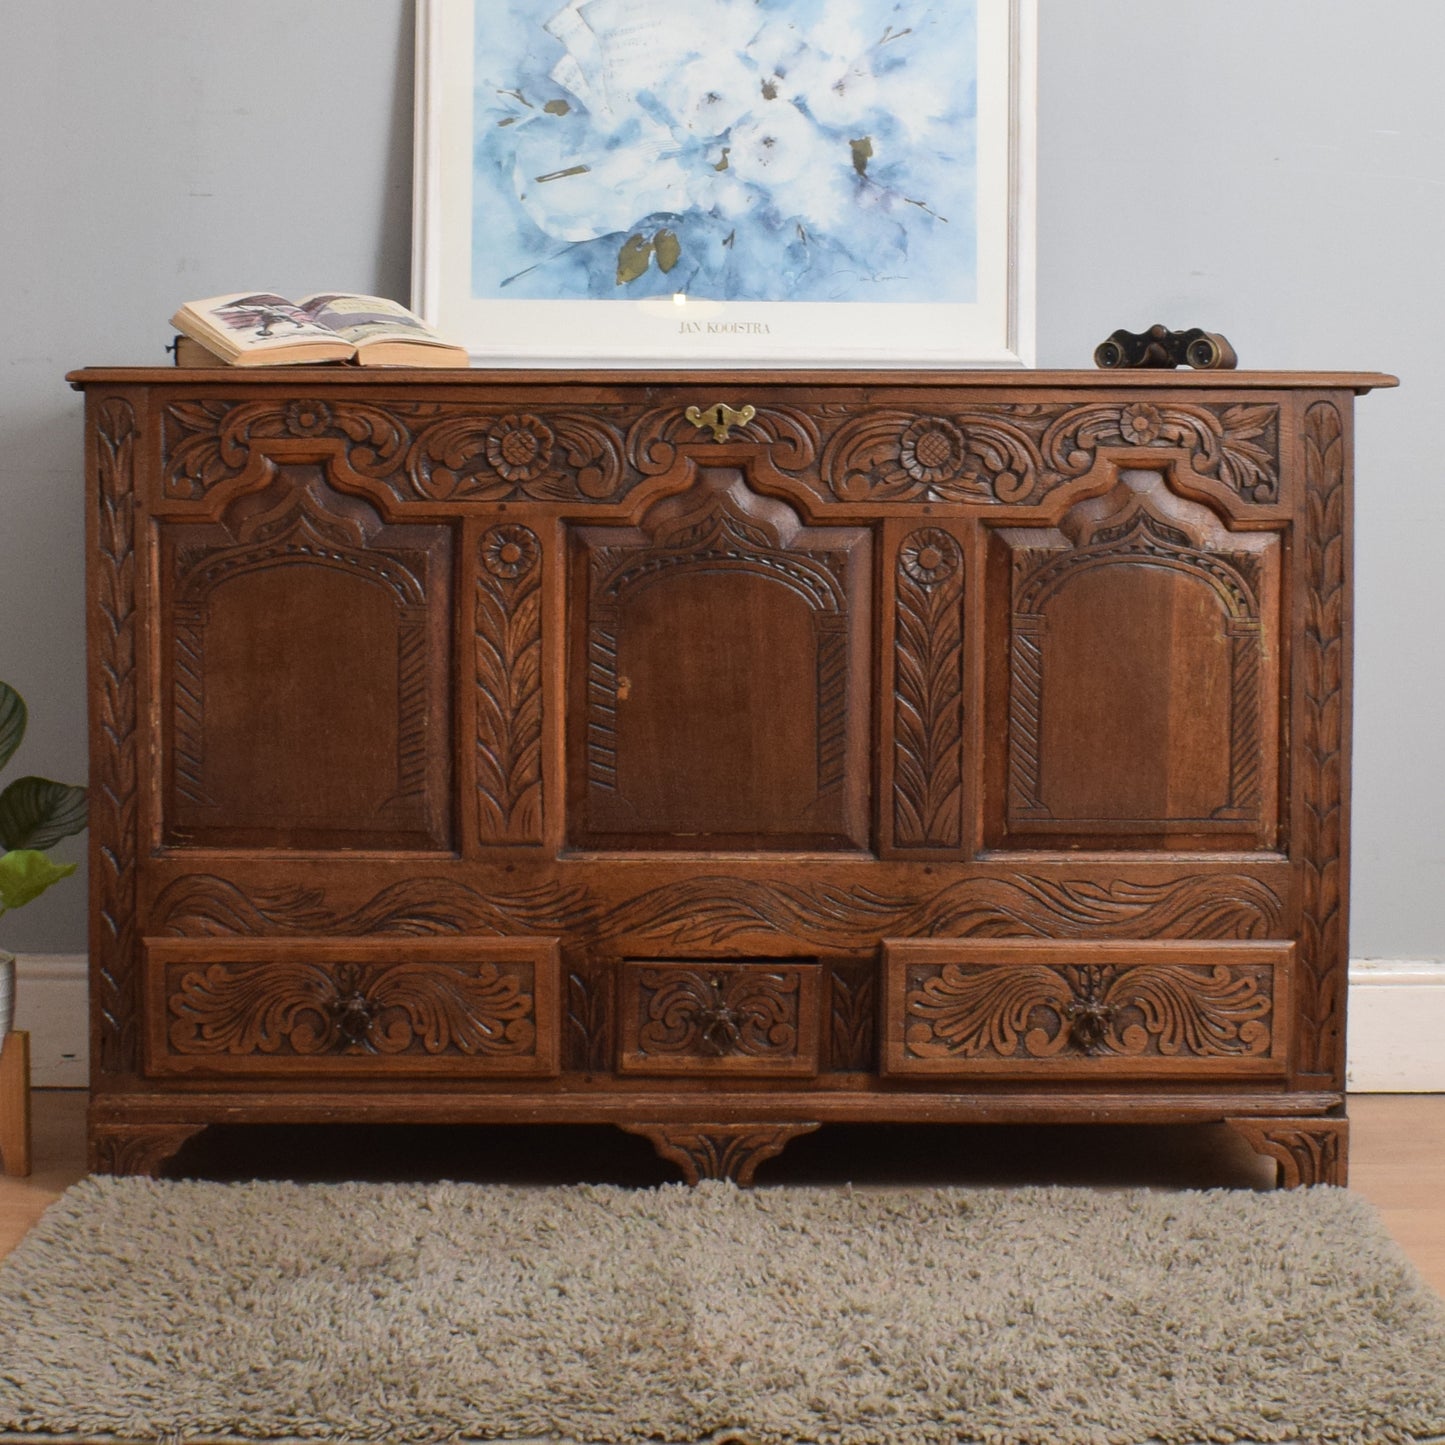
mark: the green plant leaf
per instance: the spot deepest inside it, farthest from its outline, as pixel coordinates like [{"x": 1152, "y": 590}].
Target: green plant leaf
[
  {"x": 12, "y": 721},
  {"x": 25, "y": 873},
  {"x": 37, "y": 813}
]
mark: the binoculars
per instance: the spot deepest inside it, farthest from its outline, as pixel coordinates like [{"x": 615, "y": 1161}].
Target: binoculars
[{"x": 1160, "y": 347}]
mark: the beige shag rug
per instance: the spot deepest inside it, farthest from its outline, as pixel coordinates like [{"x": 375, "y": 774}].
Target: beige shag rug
[{"x": 182, "y": 1311}]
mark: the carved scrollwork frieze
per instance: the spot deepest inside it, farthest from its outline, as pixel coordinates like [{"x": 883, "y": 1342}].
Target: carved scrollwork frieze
[
  {"x": 1017, "y": 453},
  {"x": 719, "y": 909},
  {"x": 201, "y": 905},
  {"x": 710, "y": 911},
  {"x": 411, "y": 451},
  {"x": 1011, "y": 453}
]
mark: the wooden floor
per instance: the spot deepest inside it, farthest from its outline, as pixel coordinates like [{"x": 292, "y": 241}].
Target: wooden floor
[{"x": 1397, "y": 1159}]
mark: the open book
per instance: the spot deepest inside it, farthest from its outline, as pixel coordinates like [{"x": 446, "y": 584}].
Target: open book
[{"x": 258, "y": 329}]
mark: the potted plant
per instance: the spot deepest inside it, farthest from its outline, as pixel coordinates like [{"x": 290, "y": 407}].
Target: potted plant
[{"x": 35, "y": 814}]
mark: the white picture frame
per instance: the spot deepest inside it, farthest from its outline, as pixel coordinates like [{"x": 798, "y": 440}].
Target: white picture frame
[{"x": 458, "y": 261}]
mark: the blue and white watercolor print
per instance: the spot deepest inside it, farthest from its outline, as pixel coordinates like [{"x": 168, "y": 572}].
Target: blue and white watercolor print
[{"x": 733, "y": 150}]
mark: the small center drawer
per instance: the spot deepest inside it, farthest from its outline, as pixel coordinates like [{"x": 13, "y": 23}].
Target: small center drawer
[{"x": 743, "y": 1017}]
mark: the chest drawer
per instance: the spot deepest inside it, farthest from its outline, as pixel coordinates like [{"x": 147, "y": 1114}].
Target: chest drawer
[
  {"x": 462, "y": 1006},
  {"x": 1058, "y": 1008},
  {"x": 745, "y": 1018}
]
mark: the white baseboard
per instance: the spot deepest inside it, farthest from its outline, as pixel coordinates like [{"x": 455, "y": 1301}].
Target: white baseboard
[
  {"x": 1396, "y": 1039},
  {"x": 51, "y": 990},
  {"x": 1397, "y": 1025}
]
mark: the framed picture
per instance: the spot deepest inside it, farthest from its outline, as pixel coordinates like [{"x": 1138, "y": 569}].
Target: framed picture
[{"x": 713, "y": 183}]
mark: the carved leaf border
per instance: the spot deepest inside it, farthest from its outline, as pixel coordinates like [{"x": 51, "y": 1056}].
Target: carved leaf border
[{"x": 113, "y": 816}]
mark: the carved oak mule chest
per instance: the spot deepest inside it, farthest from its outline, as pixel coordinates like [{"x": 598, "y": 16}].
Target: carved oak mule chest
[{"x": 718, "y": 755}]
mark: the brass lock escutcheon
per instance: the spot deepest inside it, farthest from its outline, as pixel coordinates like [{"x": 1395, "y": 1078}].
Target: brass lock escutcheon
[{"x": 720, "y": 418}]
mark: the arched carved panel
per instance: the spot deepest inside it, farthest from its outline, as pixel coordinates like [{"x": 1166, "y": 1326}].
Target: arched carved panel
[
  {"x": 754, "y": 734},
  {"x": 1139, "y": 659},
  {"x": 305, "y": 647}
]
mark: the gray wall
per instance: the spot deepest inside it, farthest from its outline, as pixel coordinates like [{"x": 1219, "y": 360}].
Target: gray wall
[{"x": 1272, "y": 169}]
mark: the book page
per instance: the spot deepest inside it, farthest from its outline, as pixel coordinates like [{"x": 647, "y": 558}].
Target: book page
[
  {"x": 359, "y": 319},
  {"x": 252, "y": 320}
]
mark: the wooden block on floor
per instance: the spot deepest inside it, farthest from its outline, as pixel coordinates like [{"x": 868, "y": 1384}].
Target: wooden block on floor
[{"x": 15, "y": 1103}]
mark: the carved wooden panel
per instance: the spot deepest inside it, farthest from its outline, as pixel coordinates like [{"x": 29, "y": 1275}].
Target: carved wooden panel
[
  {"x": 720, "y": 680},
  {"x": 305, "y": 651},
  {"x": 928, "y": 691},
  {"x": 508, "y": 646},
  {"x": 1137, "y": 672},
  {"x": 115, "y": 765},
  {"x": 853, "y": 1015},
  {"x": 323, "y": 1007},
  {"x": 734, "y": 1018},
  {"x": 1052, "y": 1008},
  {"x": 1321, "y": 762}
]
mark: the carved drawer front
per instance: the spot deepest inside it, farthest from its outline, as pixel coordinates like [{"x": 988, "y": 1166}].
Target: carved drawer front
[
  {"x": 458, "y": 1006},
  {"x": 748, "y": 1018},
  {"x": 1055, "y": 1008}
]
